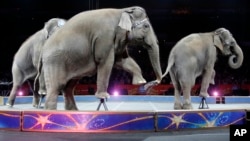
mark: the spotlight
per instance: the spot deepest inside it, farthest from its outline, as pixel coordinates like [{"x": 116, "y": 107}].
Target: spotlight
[
  {"x": 20, "y": 93},
  {"x": 215, "y": 93},
  {"x": 116, "y": 93}
]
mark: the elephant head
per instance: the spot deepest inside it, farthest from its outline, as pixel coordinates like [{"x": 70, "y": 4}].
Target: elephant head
[
  {"x": 52, "y": 25},
  {"x": 224, "y": 40},
  {"x": 139, "y": 31}
]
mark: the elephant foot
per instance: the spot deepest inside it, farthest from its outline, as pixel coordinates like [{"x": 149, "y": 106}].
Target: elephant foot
[
  {"x": 35, "y": 102},
  {"x": 177, "y": 106},
  {"x": 50, "y": 107},
  {"x": 9, "y": 105},
  {"x": 42, "y": 92},
  {"x": 102, "y": 95},
  {"x": 35, "y": 105},
  {"x": 187, "y": 106},
  {"x": 71, "y": 108},
  {"x": 138, "y": 81},
  {"x": 204, "y": 94}
]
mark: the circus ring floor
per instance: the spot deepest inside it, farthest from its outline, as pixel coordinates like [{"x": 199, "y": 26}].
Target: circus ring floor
[{"x": 126, "y": 114}]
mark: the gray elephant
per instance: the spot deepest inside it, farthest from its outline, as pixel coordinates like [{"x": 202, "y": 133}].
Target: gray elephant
[
  {"x": 195, "y": 55},
  {"x": 94, "y": 42},
  {"x": 26, "y": 59}
]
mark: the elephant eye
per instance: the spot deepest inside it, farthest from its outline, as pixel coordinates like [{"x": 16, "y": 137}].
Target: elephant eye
[
  {"x": 232, "y": 43},
  {"x": 146, "y": 25}
]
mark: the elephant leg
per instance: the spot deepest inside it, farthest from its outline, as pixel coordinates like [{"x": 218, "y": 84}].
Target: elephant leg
[
  {"x": 36, "y": 96},
  {"x": 186, "y": 88},
  {"x": 207, "y": 75},
  {"x": 129, "y": 65},
  {"x": 18, "y": 80},
  {"x": 55, "y": 79},
  {"x": 40, "y": 92},
  {"x": 42, "y": 87},
  {"x": 187, "y": 81},
  {"x": 70, "y": 103},
  {"x": 177, "y": 92},
  {"x": 212, "y": 77},
  {"x": 103, "y": 74},
  {"x": 12, "y": 96},
  {"x": 177, "y": 96},
  {"x": 51, "y": 99}
]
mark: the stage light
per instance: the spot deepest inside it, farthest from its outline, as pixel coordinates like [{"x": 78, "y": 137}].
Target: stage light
[
  {"x": 215, "y": 93},
  {"x": 116, "y": 93},
  {"x": 20, "y": 93}
]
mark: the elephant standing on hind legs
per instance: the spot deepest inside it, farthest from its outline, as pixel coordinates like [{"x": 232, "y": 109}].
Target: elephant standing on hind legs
[
  {"x": 195, "y": 55},
  {"x": 94, "y": 42},
  {"x": 24, "y": 67}
]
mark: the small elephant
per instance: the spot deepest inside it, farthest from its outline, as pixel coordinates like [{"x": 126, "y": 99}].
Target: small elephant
[
  {"x": 86, "y": 45},
  {"x": 195, "y": 55},
  {"x": 26, "y": 59}
]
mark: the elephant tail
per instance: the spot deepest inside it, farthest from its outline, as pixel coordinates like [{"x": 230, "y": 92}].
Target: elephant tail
[
  {"x": 170, "y": 64},
  {"x": 39, "y": 70}
]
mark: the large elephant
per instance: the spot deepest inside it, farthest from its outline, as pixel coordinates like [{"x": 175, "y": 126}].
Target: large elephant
[
  {"x": 94, "y": 42},
  {"x": 195, "y": 55},
  {"x": 26, "y": 59}
]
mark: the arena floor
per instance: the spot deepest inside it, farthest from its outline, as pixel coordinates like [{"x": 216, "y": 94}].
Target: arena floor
[
  {"x": 131, "y": 106},
  {"x": 136, "y": 103}
]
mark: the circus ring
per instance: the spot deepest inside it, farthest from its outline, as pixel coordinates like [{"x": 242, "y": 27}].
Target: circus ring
[{"x": 125, "y": 114}]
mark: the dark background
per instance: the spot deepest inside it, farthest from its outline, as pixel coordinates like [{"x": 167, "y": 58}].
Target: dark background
[{"x": 171, "y": 19}]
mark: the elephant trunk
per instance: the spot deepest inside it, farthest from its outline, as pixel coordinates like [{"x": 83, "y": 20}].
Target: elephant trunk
[
  {"x": 236, "y": 59},
  {"x": 153, "y": 52}
]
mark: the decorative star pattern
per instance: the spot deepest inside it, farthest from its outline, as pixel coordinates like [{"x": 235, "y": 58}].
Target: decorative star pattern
[
  {"x": 87, "y": 121},
  {"x": 205, "y": 119}
]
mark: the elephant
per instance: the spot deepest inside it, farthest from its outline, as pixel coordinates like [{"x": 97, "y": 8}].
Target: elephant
[
  {"x": 85, "y": 46},
  {"x": 25, "y": 62},
  {"x": 195, "y": 55}
]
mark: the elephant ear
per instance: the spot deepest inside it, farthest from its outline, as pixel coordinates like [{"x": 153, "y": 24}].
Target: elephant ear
[
  {"x": 125, "y": 22},
  {"x": 47, "y": 29},
  {"x": 217, "y": 42}
]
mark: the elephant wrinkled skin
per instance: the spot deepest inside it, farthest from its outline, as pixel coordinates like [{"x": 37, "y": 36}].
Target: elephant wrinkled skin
[
  {"x": 195, "y": 55},
  {"x": 25, "y": 61},
  {"x": 93, "y": 42}
]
